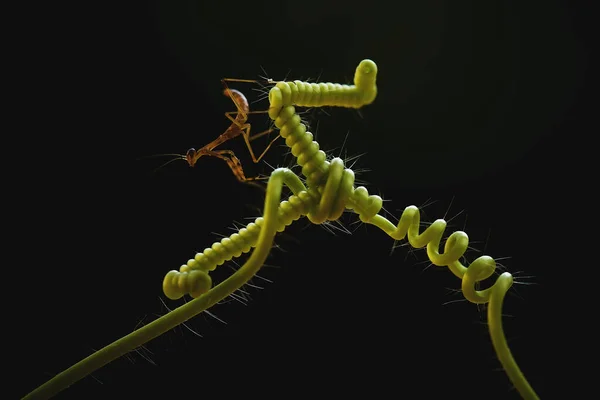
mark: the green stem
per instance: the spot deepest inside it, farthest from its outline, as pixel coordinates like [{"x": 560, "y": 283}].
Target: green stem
[
  {"x": 504, "y": 354},
  {"x": 181, "y": 314}
]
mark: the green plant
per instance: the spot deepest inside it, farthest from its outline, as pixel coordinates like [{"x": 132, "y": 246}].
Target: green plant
[{"x": 328, "y": 192}]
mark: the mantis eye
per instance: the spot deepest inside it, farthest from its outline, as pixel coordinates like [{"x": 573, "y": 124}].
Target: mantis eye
[{"x": 190, "y": 155}]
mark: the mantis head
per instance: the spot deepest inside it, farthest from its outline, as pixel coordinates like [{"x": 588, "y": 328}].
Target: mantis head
[{"x": 191, "y": 156}]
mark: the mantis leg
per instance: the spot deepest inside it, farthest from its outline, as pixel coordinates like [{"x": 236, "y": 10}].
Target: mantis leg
[
  {"x": 236, "y": 167},
  {"x": 245, "y": 128}
]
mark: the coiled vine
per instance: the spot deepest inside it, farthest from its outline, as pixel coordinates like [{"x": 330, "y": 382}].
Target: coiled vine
[{"x": 328, "y": 192}]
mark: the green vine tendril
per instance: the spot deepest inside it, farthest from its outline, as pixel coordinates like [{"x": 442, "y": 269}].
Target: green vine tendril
[{"x": 329, "y": 191}]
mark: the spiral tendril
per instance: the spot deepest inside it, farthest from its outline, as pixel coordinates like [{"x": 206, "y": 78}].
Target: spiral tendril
[{"x": 330, "y": 190}]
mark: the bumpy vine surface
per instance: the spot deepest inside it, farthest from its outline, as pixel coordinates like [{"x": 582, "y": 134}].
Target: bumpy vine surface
[{"x": 329, "y": 191}]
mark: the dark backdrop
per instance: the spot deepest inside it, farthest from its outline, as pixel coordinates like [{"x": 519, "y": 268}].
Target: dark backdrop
[{"x": 475, "y": 102}]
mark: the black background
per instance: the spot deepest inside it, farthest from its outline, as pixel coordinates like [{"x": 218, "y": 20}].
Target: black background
[{"x": 475, "y": 102}]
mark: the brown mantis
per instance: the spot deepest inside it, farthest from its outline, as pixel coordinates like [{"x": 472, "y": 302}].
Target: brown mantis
[{"x": 239, "y": 126}]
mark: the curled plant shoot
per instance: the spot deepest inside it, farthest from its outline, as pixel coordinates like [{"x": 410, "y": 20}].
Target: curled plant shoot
[{"x": 328, "y": 192}]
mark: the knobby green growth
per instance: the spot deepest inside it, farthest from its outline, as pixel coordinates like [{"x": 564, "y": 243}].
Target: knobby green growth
[{"x": 329, "y": 191}]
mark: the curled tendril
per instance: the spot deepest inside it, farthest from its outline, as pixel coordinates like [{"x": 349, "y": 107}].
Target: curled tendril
[{"x": 330, "y": 190}]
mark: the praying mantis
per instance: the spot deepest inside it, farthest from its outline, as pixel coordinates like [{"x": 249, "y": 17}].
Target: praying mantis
[{"x": 239, "y": 126}]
